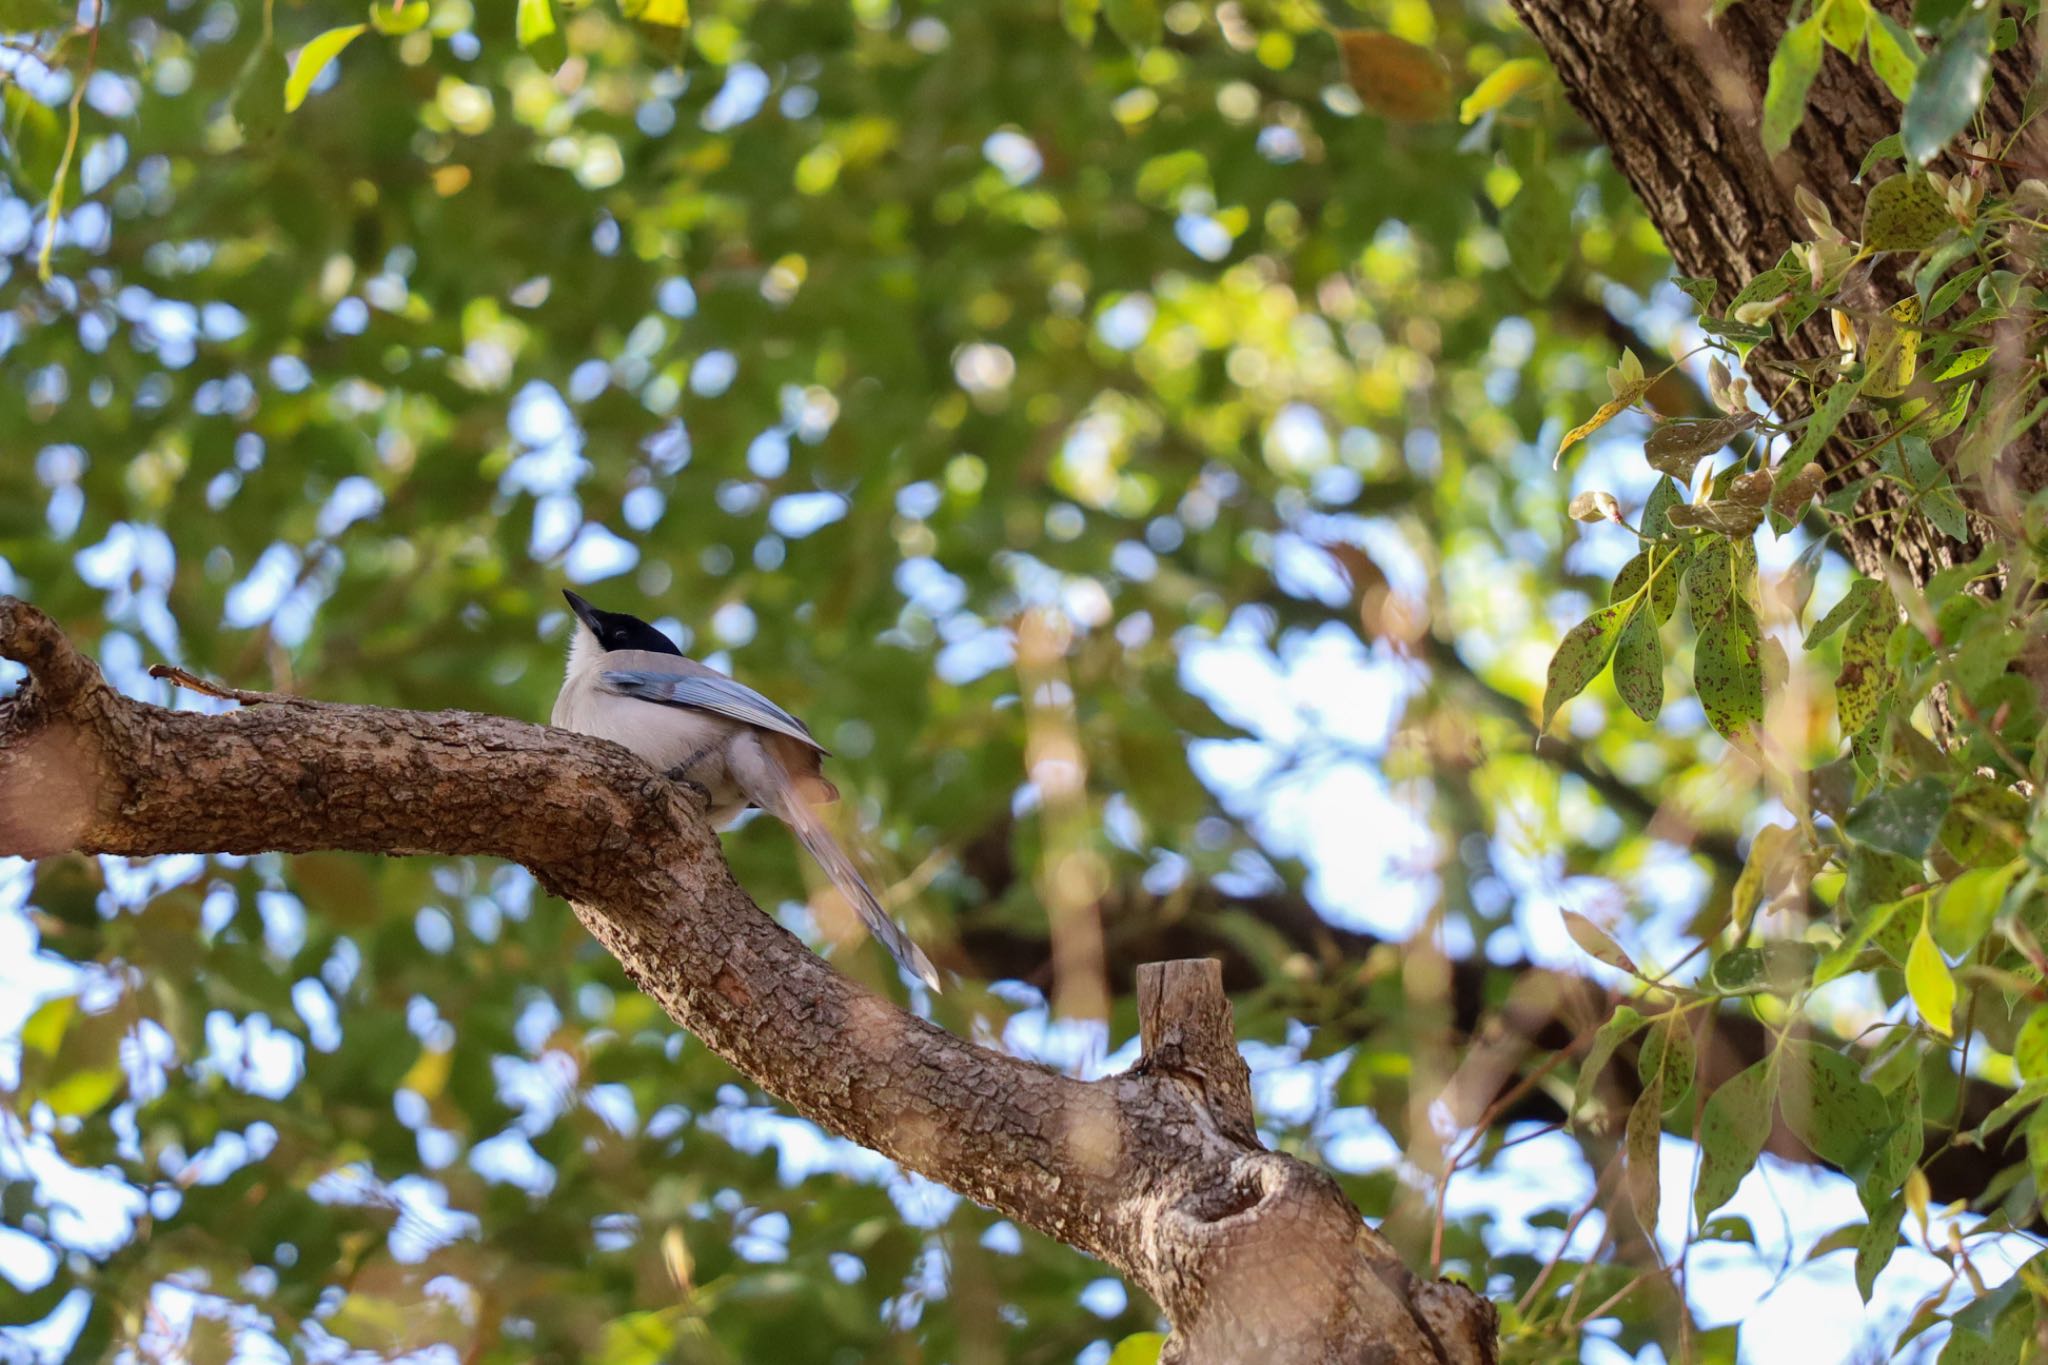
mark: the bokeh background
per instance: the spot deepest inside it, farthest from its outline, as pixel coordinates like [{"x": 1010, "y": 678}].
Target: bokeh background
[{"x": 1128, "y": 451}]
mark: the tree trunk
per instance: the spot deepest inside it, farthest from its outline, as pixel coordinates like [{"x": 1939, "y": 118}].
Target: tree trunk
[
  {"x": 1252, "y": 1255},
  {"x": 1677, "y": 102}
]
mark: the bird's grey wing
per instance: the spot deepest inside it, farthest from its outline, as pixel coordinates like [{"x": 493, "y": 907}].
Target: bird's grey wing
[{"x": 708, "y": 691}]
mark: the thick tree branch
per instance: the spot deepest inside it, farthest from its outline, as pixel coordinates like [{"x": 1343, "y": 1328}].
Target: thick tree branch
[{"x": 1251, "y": 1254}]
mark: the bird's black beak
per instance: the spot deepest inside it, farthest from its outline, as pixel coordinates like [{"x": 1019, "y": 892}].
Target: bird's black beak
[{"x": 585, "y": 613}]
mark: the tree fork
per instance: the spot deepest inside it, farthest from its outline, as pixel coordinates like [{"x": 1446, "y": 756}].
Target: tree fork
[{"x": 1249, "y": 1253}]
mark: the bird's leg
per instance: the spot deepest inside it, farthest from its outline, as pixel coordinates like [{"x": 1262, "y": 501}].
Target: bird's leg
[{"x": 680, "y": 774}]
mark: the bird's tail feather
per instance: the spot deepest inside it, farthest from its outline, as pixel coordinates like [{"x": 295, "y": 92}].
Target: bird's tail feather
[{"x": 811, "y": 831}]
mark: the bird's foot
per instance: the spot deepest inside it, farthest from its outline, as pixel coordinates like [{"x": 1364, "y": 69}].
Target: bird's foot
[{"x": 681, "y": 777}]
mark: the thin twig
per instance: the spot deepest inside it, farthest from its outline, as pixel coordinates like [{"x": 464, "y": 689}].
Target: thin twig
[
  {"x": 1613, "y": 1299},
  {"x": 192, "y": 682}
]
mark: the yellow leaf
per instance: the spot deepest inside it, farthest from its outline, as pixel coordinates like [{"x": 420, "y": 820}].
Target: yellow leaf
[
  {"x": 536, "y": 20},
  {"x": 1395, "y": 77},
  {"x": 668, "y": 13},
  {"x": 1929, "y": 983},
  {"x": 1622, "y": 401},
  {"x": 1894, "y": 350},
  {"x": 314, "y": 58},
  {"x": 1766, "y": 854},
  {"x": 428, "y": 1075},
  {"x": 396, "y": 18},
  {"x": 1141, "y": 1348},
  {"x": 44, "y": 1030},
  {"x": 1502, "y": 84},
  {"x": 82, "y": 1092}
]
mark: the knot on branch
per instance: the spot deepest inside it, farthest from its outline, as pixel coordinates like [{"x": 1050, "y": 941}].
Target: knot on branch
[
  {"x": 49, "y": 770},
  {"x": 1186, "y": 1034},
  {"x": 1272, "y": 1262},
  {"x": 58, "y": 674}
]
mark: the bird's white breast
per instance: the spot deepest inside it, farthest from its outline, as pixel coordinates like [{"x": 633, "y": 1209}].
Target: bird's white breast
[{"x": 668, "y": 737}]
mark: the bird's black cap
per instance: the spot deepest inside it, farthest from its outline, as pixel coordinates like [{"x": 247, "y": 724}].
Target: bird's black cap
[{"x": 617, "y": 630}]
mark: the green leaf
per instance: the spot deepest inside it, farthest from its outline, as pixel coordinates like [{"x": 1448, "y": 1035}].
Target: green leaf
[
  {"x": 19, "y": 1308},
  {"x": 1595, "y": 941},
  {"x": 1861, "y": 682},
  {"x": 1904, "y": 212},
  {"x": 1657, "y": 520},
  {"x": 1969, "y": 904},
  {"x": 1887, "y": 148},
  {"x": 1839, "y": 1116},
  {"x": 1941, "y": 299},
  {"x": 1727, "y": 671},
  {"x": 2030, "y": 1047},
  {"x": 1834, "y": 406},
  {"x": 1676, "y": 448},
  {"x": 1642, "y": 1139},
  {"x": 27, "y": 16},
  {"x": 1502, "y": 84},
  {"x": 1793, "y": 68},
  {"x": 35, "y": 138},
  {"x": 1868, "y": 925},
  {"x": 1780, "y": 966},
  {"x": 1997, "y": 1326},
  {"x": 1733, "y": 1127},
  {"x": 1947, "y": 514},
  {"x": 313, "y": 59},
  {"x": 1581, "y": 655},
  {"x": 1137, "y": 22},
  {"x": 1930, "y": 983},
  {"x": 1639, "y": 662},
  {"x": 1670, "y": 561},
  {"x": 1895, "y": 57},
  {"x": 1961, "y": 363},
  {"x": 1876, "y": 1245},
  {"x": 259, "y": 93},
  {"x": 1890, "y": 1157},
  {"x": 1140, "y": 1348},
  {"x": 1078, "y": 18},
  {"x": 1701, "y": 289},
  {"x": 1949, "y": 89},
  {"x": 1537, "y": 226},
  {"x": 1667, "y": 1059},
  {"x": 1710, "y": 581},
  {"x": 1903, "y": 819},
  {"x": 1622, "y": 1025},
  {"x": 1842, "y": 23},
  {"x": 91, "y": 1344}
]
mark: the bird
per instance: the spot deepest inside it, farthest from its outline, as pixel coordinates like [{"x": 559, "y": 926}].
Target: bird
[{"x": 629, "y": 683}]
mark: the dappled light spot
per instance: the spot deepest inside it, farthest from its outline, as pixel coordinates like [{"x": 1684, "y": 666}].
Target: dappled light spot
[{"x": 1089, "y": 1131}]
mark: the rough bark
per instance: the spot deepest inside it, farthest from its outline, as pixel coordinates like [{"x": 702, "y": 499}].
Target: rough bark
[
  {"x": 1249, "y": 1253},
  {"x": 1677, "y": 102}
]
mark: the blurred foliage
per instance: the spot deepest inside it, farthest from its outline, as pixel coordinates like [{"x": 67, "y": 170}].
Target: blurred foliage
[{"x": 852, "y": 341}]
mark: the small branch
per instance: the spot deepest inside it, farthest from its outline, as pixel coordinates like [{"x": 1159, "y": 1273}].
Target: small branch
[{"x": 192, "y": 682}]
